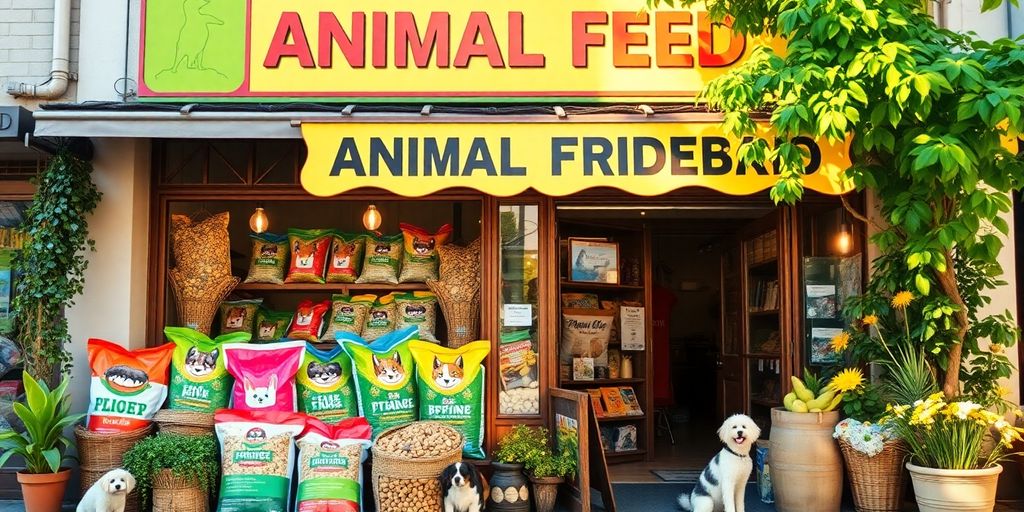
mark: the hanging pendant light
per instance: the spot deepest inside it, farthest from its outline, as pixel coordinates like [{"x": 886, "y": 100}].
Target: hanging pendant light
[
  {"x": 259, "y": 222},
  {"x": 844, "y": 239},
  {"x": 371, "y": 218}
]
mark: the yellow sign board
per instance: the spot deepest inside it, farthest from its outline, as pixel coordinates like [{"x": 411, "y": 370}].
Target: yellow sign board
[
  {"x": 556, "y": 158},
  {"x": 441, "y": 50}
]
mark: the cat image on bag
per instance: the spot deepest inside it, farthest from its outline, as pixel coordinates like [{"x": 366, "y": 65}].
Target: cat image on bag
[
  {"x": 323, "y": 374},
  {"x": 199, "y": 363},
  {"x": 423, "y": 247},
  {"x": 304, "y": 254},
  {"x": 304, "y": 316},
  {"x": 447, "y": 375},
  {"x": 379, "y": 315},
  {"x": 267, "y": 330},
  {"x": 389, "y": 370},
  {"x": 343, "y": 255},
  {"x": 235, "y": 318},
  {"x": 260, "y": 397},
  {"x": 415, "y": 310}
]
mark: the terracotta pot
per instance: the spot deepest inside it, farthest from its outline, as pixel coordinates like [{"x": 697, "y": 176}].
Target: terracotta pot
[
  {"x": 509, "y": 489},
  {"x": 43, "y": 492},
  {"x": 806, "y": 466},
  {"x": 960, "y": 490},
  {"x": 545, "y": 492}
]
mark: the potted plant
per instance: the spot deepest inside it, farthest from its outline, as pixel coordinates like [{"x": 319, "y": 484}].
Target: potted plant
[
  {"x": 509, "y": 489},
  {"x": 547, "y": 470},
  {"x": 177, "y": 472},
  {"x": 45, "y": 414}
]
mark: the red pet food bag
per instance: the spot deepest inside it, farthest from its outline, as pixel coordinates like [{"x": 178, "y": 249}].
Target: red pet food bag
[
  {"x": 330, "y": 468},
  {"x": 127, "y": 387},
  {"x": 308, "y": 322},
  {"x": 309, "y": 249},
  {"x": 264, "y": 375}
]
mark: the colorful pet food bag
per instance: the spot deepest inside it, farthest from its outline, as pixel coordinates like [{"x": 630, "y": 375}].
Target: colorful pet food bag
[
  {"x": 238, "y": 315},
  {"x": 417, "y": 309},
  {"x": 419, "y": 255},
  {"x": 326, "y": 388},
  {"x": 264, "y": 375},
  {"x": 382, "y": 260},
  {"x": 308, "y": 322},
  {"x": 450, "y": 387},
  {"x": 272, "y": 325},
  {"x": 269, "y": 258},
  {"x": 348, "y": 314},
  {"x": 330, "y": 466},
  {"x": 381, "y": 318},
  {"x": 383, "y": 371},
  {"x": 309, "y": 255},
  {"x": 346, "y": 259},
  {"x": 257, "y": 459},
  {"x": 127, "y": 387},
  {"x": 199, "y": 381}
]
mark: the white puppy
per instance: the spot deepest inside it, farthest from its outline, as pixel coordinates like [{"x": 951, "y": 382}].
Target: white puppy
[
  {"x": 108, "y": 493},
  {"x": 722, "y": 483}
]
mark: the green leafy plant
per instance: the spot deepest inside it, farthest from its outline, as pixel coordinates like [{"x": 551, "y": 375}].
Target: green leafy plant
[
  {"x": 52, "y": 264},
  {"x": 45, "y": 414},
  {"x": 865, "y": 404},
  {"x": 193, "y": 458},
  {"x": 924, "y": 111},
  {"x": 521, "y": 444},
  {"x": 549, "y": 464}
]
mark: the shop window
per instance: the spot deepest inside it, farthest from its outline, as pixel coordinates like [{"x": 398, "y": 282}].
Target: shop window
[
  {"x": 181, "y": 162},
  {"x": 277, "y": 162},
  {"x": 520, "y": 368}
]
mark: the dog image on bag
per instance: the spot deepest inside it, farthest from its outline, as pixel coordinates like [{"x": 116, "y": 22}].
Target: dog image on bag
[
  {"x": 343, "y": 253},
  {"x": 447, "y": 375},
  {"x": 464, "y": 489},
  {"x": 199, "y": 363},
  {"x": 323, "y": 374},
  {"x": 109, "y": 493},
  {"x": 235, "y": 318},
  {"x": 305, "y": 254},
  {"x": 722, "y": 484},
  {"x": 260, "y": 397},
  {"x": 304, "y": 315},
  {"x": 389, "y": 370}
]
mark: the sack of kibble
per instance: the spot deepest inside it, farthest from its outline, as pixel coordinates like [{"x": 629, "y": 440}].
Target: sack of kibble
[
  {"x": 257, "y": 459},
  {"x": 407, "y": 463},
  {"x": 330, "y": 465}
]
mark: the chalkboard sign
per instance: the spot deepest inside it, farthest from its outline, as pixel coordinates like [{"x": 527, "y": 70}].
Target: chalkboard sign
[{"x": 574, "y": 424}]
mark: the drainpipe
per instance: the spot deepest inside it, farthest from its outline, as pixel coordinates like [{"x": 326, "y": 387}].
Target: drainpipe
[{"x": 57, "y": 85}]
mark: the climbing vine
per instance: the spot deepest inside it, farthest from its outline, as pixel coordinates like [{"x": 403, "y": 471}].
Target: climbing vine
[{"x": 52, "y": 264}]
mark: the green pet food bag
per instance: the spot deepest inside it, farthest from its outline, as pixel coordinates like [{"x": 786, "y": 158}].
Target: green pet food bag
[
  {"x": 450, "y": 388},
  {"x": 348, "y": 314},
  {"x": 271, "y": 326},
  {"x": 326, "y": 387},
  {"x": 238, "y": 315},
  {"x": 417, "y": 309},
  {"x": 382, "y": 318},
  {"x": 382, "y": 259},
  {"x": 383, "y": 373},
  {"x": 269, "y": 258},
  {"x": 257, "y": 459},
  {"x": 199, "y": 381}
]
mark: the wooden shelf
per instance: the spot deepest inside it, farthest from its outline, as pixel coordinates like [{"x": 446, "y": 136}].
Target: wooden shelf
[
  {"x": 602, "y": 419},
  {"x": 773, "y": 262},
  {"x": 573, "y": 285},
  {"x": 764, "y": 312},
  {"x": 600, "y": 382},
  {"x": 760, "y": 355},
  {"x": 610, "y": 454},
  {"x": 329, "y": 287}
]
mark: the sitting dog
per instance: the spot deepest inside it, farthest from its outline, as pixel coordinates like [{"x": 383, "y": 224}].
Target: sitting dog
[
  {"x": 722, "y": 483},
  {"x": 464, "y": 489},
  {"x": 108, "y": 493}
]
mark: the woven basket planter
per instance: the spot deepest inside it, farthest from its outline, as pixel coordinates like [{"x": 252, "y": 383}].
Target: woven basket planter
[
  {"x": 458, "y": 291},
  {"x": 877, "y": 482},
  {"x": 176, "y": 494},
  {"x": 197, "y": 300},
  {"x": 100, "y": 452},
  {"x": 416, "y": 479},
  {"x": 185, "y": 423}
]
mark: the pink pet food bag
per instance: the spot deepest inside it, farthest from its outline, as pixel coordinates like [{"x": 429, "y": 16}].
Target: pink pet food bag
[{"x": 264, "y": 375}]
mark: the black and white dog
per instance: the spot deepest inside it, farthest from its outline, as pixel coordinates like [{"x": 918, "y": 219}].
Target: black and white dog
[
  {"x": 464, "y": 489},
  {"x": 722, "y": 483}
]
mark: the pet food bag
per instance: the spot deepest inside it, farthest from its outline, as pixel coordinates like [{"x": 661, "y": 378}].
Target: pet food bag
[
  {"x": 450, "y": 387},
  {"x": 272, "y": 325},
  {"x": 330, "y": 466},
  {"x": 199, "y": 381},
  {"x": 348, "y": 314},
  {"x": 419, "y": 254},
  {"x": 309, "y": 255},
  {"x": 257, "y": 459},
  {"x": 264, "y": 375},
  {"x": 238, "y": 315},
  {"x": 585, "y": 333},
  {"x": 308, "y": 322},
  {"x": 269, "y": 258},
  {"x": 382, "y": 259},
  {"x": 347, "y": 251},
  {"x": 127, "y": 387},
  {"x": 381, "y": 318},
  {"x": 326, "y": 388},
  {"x": 417, "y": 309},
  {"x": 383, "y": 372}
]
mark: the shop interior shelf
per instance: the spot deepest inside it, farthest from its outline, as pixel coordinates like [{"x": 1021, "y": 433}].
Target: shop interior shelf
[
  {"x": 600, "y": 382},
  {"x": 574, "y": 285},
  {"x": 623, "y": 417},
  {"x": 329, "y": 287}
]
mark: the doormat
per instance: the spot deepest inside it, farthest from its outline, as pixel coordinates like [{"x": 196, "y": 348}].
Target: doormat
[{"x": 678, "y": 475}]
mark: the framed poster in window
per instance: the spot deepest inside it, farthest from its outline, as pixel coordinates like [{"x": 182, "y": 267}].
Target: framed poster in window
[{"x": 593, "y": 261}]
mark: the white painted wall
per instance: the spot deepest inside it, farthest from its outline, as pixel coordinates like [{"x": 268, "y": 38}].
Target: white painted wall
[
  {"x": 26, "y": 45},
  {"x": 966, "y": 16}
]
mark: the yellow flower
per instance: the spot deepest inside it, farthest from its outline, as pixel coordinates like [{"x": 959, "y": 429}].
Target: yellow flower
[
  {"x": 995, "y": 348},
  {"x": 847, "y": 380},
  {"x": 869, "y": 320},
  {"x": 902, "y": 299},
  {"x": 840, "y": 342}
]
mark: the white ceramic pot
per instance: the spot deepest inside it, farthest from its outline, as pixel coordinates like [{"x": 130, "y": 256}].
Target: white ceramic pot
[{"x": 960, "y": 490}]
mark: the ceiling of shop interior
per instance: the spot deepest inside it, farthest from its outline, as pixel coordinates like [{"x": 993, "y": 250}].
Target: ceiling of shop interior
[{"x": 661, "y": 212}]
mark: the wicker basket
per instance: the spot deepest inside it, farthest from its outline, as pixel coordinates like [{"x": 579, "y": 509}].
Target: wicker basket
[
  {"x": 400, "y": 474},
  {"x": 877, "y": 482},
  {"x": 461, "y": 316},
  {"x": 101, "y": 452},
  {"x": 197, "y": 311},
  {"x": 186, "y": 423},
  {"x": 175, "y": 494}
]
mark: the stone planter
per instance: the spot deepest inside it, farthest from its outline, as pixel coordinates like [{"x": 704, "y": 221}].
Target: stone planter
[
  {"x": 545, "y": 492},
  {"x": 509, "y": 489},
  {"x": 960, "y": 490}
]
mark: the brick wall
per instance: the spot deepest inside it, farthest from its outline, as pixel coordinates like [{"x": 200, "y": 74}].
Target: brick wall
[{"x": 26, "y": 39}]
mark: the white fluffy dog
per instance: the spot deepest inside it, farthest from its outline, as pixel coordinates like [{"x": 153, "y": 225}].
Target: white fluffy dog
[
  {"x": 722, "y": 483},
  {"x": 108, "y": 493}
]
